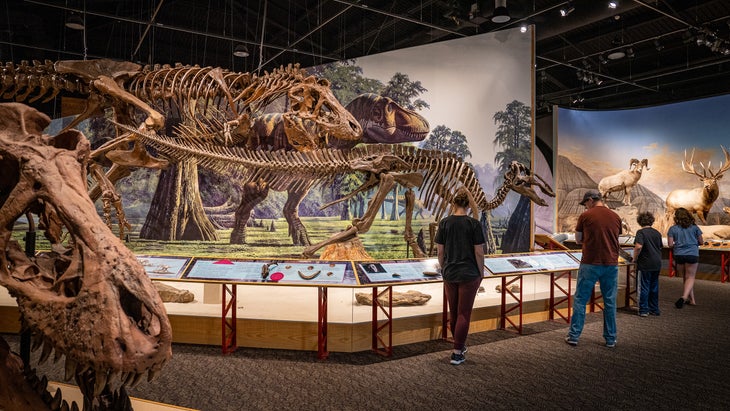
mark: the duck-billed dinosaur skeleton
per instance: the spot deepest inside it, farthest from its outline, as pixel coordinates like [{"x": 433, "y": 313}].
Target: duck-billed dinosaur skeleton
[
  {"x": 189, "y": 95},
  {"x": 88, "y": 300},
  {"x": 437, "y": 174}
]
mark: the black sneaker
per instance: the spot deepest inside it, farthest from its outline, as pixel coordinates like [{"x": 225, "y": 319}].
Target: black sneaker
[
  {"x": 679, "y": 303},
  {"x": 457, "y": 359}
]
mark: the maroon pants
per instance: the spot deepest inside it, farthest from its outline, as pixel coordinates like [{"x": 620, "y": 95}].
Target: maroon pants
[{"x": 460, "y": 297}]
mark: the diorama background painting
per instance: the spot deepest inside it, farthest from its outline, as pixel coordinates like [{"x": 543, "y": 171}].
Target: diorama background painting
[
  {"x": 467, "y": 81},
  {"x": 601, "y": 143}
]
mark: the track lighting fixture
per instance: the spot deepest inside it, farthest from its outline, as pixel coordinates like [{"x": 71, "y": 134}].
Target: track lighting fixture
[
  {"x": 612, "y": 4},
  {"x": 501, "y": 14},
  {"x": 567, "y": 9},
  {"x": 240, "y": 51},
  {"x": 75, "y": 22}
]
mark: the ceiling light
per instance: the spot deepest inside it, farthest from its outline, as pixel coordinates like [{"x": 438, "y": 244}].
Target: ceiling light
[
  {"x": 241, "y": 51},
  {"x": 567, "y": 9},
  {"x": 523, "y": 28},
  {"x": 598, "y": 81},
  {"x": 602, "y": 59},
  {"x": 616, "y": 54},
  {"x": 501, "y": 14},
  {"x": 630, "y": 53},
  {"x": 612, "y": 4},
  {"x": 658, "y": 45},
  {"x": 75, "y": 22}
]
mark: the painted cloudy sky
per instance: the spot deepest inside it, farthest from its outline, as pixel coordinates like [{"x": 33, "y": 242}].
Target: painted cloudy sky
[{"x": 603, "y": 142}]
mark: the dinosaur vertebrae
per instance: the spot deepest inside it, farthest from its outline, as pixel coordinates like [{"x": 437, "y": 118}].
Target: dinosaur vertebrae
[
  {"x": 40, "y": 79},
  {"x": 159, "y": 83},
  {"x": 443, "y": 172}
]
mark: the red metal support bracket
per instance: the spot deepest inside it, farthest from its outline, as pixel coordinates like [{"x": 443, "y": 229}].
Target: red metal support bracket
[
  {"x": 322, "y": 352},
  {"x": 228, "y": 336},
  {"x": 379, "y": 345},
  {"x": 565, "y": 295},
  {"x": 504, "y": 315}
]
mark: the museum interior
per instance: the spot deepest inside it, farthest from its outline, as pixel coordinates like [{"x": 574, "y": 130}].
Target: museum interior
[{"x": 226, "y": 186}]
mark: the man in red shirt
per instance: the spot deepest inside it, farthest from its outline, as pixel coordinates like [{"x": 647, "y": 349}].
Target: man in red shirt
[{"x": 597, "y": 230}]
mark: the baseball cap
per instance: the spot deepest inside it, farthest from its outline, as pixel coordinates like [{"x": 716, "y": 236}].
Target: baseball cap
[{"x": 590, "y": 195}]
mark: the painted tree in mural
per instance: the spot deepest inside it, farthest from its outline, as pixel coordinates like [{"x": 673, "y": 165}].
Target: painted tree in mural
[
  {"x": 347, "y": 83},
  {"x": 405, "y": 92},
  {"x": 443, "y": 138},
  {"x": 514, "y": 138}
]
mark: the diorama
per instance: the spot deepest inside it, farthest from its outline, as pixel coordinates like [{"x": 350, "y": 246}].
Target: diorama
[{"x": 654, "y": 159}]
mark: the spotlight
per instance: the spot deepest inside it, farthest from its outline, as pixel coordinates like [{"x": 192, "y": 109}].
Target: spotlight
[
  {"x": 241, "y": 51},
  {"x": 612, "y": 4},
  {"x": 630, "y": 53},
  {"x": 602, "y": 59},
  {"x": 616, "y": 54},
  {"x": 564, "y": 11},
  {"x": 523, "y": 28},
  {"x": 75, "y": 22},
  {"x": 658, "y": 45},
  {"x": 598, "y": 81},
  {"x": 501, "y": 14}
]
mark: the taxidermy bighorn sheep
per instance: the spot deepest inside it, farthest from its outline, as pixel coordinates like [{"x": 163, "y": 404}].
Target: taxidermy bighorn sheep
[
  {"x": 698, "y": 200},
  {"x": 624, "y": 180}
]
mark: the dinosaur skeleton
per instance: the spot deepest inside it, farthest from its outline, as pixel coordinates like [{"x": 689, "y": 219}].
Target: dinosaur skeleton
[
  {"x": 436, "y": 173},
  {"x": 195, "y": 96},
  {"x": 88, "y": 300},
  {"x": 382, "y": 120}
]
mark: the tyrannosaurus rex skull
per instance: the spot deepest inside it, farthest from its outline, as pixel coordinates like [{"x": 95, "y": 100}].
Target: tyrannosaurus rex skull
[
  {"x": 88, "y": 299},
  {"x": 316, "y": 116}
]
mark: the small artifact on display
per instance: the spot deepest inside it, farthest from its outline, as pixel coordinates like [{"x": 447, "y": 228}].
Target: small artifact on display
[
  {"x": 164, "y": 267},
  {"x": 513, "y": 288},
  {"x": 408, "y": 298},
  {"x": 170, "y": 294}
]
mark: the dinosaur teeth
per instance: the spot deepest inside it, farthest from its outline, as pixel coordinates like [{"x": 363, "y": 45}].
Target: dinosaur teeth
[
  {"x": 137, "y": 379},
  {"x": 47, "y": 350},
  {"x": 152, "y": 374},
  {"x": 55, "y": 403},
  {"x": 70, "y": 369},
  {"x": 100, "y": 380}
]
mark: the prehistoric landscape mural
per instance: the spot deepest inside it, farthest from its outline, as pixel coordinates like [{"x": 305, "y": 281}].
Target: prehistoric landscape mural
[
  {"x": 649, "y": 159},
  {"x": 215, "y": 211}
]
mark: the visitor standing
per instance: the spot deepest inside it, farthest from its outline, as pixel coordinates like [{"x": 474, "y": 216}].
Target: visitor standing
[
  {"x": 597, "y": 231},
  {"x": 460, "y": 245},
  {"x": 684, "y": 237},
  {"x": 648, "y": 259}
]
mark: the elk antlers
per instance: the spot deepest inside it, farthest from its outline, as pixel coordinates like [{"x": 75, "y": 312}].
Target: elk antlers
[{"x": 688, "y": 167}]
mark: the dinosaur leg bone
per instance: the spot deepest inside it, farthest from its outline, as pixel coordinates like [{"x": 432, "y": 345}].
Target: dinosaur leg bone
[{"x": 359, "y": 225}]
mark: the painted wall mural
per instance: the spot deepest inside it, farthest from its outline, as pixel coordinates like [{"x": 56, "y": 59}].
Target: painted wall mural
[
  {"x": 475, "y": 93},
  {"x": 640, "y": 157}
]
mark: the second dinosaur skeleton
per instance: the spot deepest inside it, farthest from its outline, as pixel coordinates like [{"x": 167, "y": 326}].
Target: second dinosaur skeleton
[{"x": 436, "y": 174}]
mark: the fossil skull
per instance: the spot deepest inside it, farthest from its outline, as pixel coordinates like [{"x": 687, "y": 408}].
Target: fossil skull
[{"x": 88, "y": 298}]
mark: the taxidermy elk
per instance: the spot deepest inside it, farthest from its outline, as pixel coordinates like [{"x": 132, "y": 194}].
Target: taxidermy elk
[
  {"x": 624, "y": 180},
  {"x": 698, "y": 200}
]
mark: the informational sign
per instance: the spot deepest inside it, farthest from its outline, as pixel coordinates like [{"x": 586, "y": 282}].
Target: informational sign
[
  {"x": 272, "y": 271},
  {"x": 530, "y": 262},
  {"x": 398, "y": 271},
  {"x": 164, "y": 267}
]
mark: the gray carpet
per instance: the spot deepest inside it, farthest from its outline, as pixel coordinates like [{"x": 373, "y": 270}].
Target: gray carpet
[{"x": 675, "y": 361}]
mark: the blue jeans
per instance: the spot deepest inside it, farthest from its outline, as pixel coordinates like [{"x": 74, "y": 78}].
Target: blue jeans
[
  {"x": 649, "y": 294},
  {"x": 607, "y": 277}
]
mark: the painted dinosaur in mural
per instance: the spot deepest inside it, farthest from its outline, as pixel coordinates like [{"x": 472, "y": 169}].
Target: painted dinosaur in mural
[
  {"x": 169, "y": 97},
  {"x": 87, "y": 301},
  {"x": 436, "y": 174},
  {"x": 382, "y": 120}
]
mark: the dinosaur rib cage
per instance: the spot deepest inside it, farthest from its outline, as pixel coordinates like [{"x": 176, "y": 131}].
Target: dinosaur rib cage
[{"x": 443, "y": 172}]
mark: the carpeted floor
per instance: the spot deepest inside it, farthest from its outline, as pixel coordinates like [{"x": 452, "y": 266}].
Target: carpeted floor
[{"x": 678, "y": 360}]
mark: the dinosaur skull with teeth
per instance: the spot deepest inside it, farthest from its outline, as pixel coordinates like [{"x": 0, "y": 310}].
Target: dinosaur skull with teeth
[{"x": 87, "y": 299}]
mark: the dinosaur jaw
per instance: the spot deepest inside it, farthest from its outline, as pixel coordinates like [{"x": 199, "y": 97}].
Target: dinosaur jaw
[{"x": 89, "y": 299}]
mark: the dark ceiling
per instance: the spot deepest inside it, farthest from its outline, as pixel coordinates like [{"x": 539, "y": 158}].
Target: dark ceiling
[{"x": 673, "y": 50}]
